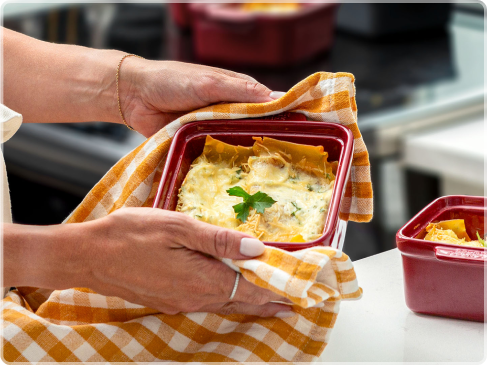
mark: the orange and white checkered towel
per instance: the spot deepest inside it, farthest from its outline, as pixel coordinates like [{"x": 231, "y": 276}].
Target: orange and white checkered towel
[{"x": 80, "y": 325}]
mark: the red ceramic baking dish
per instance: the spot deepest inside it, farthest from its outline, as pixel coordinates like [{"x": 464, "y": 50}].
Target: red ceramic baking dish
[
  {"x": 224, "y": 34},
  {"x": 180, "y": 14},
  {"x": 337, "y": 140},
  {"x": 439, "y": 278}
]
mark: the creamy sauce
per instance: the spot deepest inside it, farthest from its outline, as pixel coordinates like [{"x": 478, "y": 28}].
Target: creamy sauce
[{"x": 302, "y": 198}]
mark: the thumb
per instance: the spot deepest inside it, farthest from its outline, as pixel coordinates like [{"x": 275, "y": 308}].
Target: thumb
[{"x": 221, "y": 242}]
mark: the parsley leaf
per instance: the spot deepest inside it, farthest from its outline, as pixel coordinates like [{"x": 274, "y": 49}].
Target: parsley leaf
[
  {"x": 259, "y": 201},
  {"x": 242, "y": 210},
  {"x": 238, "y": 191},
  {"x": 480, "y": 239},
  {"x": 297, "y": 208}
]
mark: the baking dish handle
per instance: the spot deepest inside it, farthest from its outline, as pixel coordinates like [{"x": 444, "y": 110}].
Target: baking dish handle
[{"x": 461, "y": 254}]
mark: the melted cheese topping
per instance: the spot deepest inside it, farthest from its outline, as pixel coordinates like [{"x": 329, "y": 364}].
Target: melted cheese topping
[
  {"x": 435, "y": 233},
  {"x": 302, "y": 195}
]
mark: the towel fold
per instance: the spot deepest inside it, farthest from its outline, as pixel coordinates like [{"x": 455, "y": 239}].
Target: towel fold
[{"x": 80, "y": 325}]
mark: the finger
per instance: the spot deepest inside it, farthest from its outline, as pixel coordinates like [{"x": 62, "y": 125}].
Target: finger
[
  {"x": 218, "y": 282},
  {"x": 219, "y": 242},
  {"x": 243, "y": 77},
  {"x": 277, "y": 94},
  {"x": 273, "y": 95},
  {"x": 166, "y": 309},
  {"x": 233, "y": 74},
  {"x": 253, "y": 294},
  {"x": 246, "y": 291},
  {"x": 266, "y": 310},
  {"x": 234, "y": 89}
]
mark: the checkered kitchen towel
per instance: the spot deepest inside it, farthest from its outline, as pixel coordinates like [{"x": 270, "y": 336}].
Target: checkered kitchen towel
[{"x": 80, "y": 325}]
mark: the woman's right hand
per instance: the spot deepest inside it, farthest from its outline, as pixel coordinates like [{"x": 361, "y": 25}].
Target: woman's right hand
[{"x": 165, "y": 260}]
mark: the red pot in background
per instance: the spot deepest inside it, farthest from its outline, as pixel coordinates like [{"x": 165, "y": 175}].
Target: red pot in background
[
  {"x": 224, "y": 34},
  {"x": 439, "y": 278},
  {"x": 336, "y": 139},
  {"x": 180, "y": 14}
]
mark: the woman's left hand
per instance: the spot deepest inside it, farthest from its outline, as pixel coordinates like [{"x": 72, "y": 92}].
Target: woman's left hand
[{"x": 154, "y": 93}]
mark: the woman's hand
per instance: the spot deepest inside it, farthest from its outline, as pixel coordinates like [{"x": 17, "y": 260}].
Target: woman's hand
[
  {"x": 164, "y": 260},
  {"x": 152, "y": 257},
  {"x": 154, "y": 93}
]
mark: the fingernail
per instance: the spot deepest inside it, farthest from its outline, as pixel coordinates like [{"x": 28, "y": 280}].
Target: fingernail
[
  {"x": 276, "y": 94},
  {"x": 251, "y": 247},
  {"x": 285, "y": 314}
]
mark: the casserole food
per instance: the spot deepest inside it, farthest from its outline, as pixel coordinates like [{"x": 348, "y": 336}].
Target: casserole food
[
  {"x": 441, "y": 278},
  {"x": 292, "y": 185},
  {"x": 188, "y": 144},
  {"x": 452, "y": 231},
  {"x": 227, "y": 34},
  {"x": 272, "y": 8}
]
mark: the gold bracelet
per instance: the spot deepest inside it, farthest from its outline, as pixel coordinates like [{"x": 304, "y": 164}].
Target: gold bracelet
[{"x": 118, "y": 92}]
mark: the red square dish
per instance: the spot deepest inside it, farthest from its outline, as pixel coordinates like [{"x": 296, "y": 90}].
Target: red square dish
[
  {"x": 224, "y": 34},
  {"x": 336, "y": 139},
  {"x": 439, "y": 278}
]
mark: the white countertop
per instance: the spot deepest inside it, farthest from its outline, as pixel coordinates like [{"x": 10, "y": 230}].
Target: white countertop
[
  {"x": 449, "y": 150},
  {"x": 379, "y": 327}
]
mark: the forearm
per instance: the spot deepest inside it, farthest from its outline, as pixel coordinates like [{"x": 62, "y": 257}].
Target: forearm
[
  {"x": 52, "y": 257},
  {"x": 54, "y": 83}
]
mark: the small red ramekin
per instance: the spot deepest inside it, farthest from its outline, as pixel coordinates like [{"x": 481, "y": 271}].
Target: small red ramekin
[{"x": 439, "y": 278}]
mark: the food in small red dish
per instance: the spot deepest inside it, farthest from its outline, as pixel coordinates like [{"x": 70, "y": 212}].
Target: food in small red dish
[
  {"x": 265, "y": 35},
  {"x": 452, "y": 231},
  {"x": 442, "y": 277},
  {"x": 189, "y": 142},
  {"x": 274, "y": 190}
]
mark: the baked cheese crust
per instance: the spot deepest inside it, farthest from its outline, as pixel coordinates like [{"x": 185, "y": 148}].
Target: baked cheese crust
[{"x": 297, "y": 177}]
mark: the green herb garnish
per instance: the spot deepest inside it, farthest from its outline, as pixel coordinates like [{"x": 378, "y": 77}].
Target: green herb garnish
[
  {"x": 309, "y": 187},
  {"x": 480, "y": 239},
  {"x": 297, "y": 208},
  {"x": 259, "y": 201},
  {"x": 293, "y": 179}
]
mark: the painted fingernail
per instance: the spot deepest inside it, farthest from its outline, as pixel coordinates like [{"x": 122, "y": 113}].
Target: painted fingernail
[
  {"x": 285, "y": 314},
  {"x": 251, "y": 247},
  {"x": 276, "y": 94}
]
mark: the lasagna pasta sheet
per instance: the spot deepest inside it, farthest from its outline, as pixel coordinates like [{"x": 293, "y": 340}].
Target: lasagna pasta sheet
[
  {"x": 298, "y": 177},
  {"x": 451, "y": 231},
  {"x": 312, "y": 159},
  {"x": 218, "y": 152}
]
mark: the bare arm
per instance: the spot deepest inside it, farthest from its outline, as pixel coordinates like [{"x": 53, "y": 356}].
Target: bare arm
[{"x": 55, "y": 83}]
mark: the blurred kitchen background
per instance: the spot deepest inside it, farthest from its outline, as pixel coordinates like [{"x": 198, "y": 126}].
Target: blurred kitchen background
[{"x": 419, "y": 72}]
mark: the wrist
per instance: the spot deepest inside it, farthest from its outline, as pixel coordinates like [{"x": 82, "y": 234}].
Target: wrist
[
  {"x": 130, "y": 74},
  {"x": 109, "y": 101},
  {"x": 99, "y": 71},
  {"x": 51, "y": 257}
]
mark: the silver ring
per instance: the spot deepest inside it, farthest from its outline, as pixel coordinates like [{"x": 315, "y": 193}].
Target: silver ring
[{"x": 235, "y": 287}]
